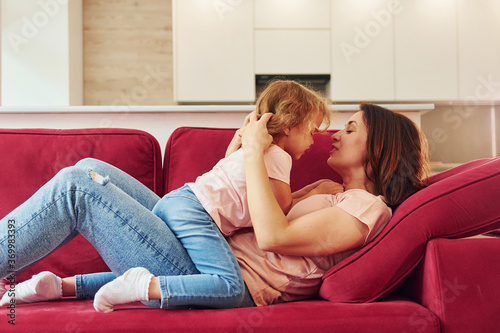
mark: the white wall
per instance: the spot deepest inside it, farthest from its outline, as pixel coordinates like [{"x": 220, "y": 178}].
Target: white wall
[
  {"x": 160, "y": 125},
  {"x": 0, "y": 53},
  {"x": 41, "y": 52},
  {"x": 160, "y": 121}
]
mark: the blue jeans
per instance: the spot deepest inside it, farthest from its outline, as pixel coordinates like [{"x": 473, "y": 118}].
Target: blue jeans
[
  {"x": 220, "y": 276},
  {"x": 115, "y": 215}
]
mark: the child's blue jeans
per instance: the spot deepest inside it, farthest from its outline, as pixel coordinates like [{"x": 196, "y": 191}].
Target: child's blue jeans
[{"x": 114, "y": 212}]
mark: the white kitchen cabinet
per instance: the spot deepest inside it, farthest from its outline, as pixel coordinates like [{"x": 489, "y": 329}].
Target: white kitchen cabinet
[
  {"x": 292, "y": 14},
  {"x": 213, "y": 51},
  {"x": 42, "y": 59},
  {"x": 426, "y": 52},
  {"x": 292, "y": 36},
  {"x": 378, "y": 50},
  {"x": 292, "y": 51},
  {"x": 479, "y": 50},
  {"x": 362, "y": 50}
]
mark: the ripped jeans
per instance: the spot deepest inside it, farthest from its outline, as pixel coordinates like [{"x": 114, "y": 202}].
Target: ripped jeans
[{"x": 114, "y": 213}]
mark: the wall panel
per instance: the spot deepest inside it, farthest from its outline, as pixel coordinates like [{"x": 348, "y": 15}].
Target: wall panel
[{"x": 128, "y": 52}]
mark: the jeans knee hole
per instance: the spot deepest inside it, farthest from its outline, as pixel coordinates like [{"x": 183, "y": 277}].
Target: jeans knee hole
[{"x": 98, "y": 178}]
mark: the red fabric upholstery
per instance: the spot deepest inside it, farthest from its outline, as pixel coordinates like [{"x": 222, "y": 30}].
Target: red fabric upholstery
[
  {"x": 460, "y": 203},
  {"x": 190, "y": 152},
  {"x": 33, "y": 156},
  {"x": 458, "y": 281},
  {"x": 396, "y": 314}
]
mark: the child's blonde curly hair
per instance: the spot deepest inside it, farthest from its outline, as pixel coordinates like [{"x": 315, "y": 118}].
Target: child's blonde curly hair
[{"x": 292, "y": 105}]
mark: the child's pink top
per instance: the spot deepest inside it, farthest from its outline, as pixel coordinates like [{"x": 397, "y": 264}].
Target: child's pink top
[
  {"x": 223, "y": 192},
  {"x": 274, "y": 278}
]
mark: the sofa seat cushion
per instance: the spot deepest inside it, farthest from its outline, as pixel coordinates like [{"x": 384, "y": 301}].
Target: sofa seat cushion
[
  {"x": 460, "y": 202},
  {"x": 396, "y": 314},
  {"x": 31, "y": 157},
  {"x": 458, "y": 277}
]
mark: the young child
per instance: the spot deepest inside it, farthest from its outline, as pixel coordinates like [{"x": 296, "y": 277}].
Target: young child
[
  {"x": 216, "y": 202},
  {"x": 297, "y": 114}
]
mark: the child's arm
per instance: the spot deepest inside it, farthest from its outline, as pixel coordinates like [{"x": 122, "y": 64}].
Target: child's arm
[
  {"x": 323, "y": 186},
  {"x": 235, "y": 143},
  {"x": 283, "y": 194},
  {"x": 286, "y": 199}
]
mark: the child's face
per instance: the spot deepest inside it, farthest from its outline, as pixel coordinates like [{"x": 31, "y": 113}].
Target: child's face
[{"x": 300, "y": 138}]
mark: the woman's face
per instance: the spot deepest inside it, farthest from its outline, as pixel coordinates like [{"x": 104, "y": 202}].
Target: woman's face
[{"x": 349, "y": 145}]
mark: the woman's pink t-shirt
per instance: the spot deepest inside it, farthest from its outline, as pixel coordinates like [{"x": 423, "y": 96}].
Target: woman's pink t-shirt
[
  {"x": 223, "y": 192},
  {"x": 274, "y": 278}
]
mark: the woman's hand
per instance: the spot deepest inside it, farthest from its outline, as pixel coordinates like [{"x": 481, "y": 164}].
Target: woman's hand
[
  {"x": 255, "y": 137},
  {"x": 235, "y": 143}
]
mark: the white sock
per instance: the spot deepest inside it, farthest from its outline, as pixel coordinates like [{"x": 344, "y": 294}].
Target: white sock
[
  {"x": 44, "y": 286},
  {"x": 3, "y": 283},
  {"x": 132, "y": 286}
]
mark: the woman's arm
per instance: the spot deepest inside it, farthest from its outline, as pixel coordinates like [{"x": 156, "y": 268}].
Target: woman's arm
[
  {"x": 326, "y": 231},
  {"x": 281, "y": 190}
]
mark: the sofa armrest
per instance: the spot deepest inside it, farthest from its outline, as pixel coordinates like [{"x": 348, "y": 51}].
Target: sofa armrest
[{"x": 458, "y": 281}]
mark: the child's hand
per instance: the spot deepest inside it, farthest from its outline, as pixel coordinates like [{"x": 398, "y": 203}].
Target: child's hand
[{"x": 327, "y": 186}]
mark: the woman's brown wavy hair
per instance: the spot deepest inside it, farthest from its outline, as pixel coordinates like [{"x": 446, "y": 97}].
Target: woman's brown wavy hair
[
  {"x": 397, "y": 154},
  {"x": 292, "y": 105}
]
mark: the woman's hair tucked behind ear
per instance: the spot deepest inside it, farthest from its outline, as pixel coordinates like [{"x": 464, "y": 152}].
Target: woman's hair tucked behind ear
[
  {"x": 292, "y": 105},
  {"x": 397, "y": 154}
]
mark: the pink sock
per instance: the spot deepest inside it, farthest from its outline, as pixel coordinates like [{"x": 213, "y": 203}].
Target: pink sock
[{"x": 132, "y": 286}]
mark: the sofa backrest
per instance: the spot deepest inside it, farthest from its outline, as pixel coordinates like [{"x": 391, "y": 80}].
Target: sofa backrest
[
  {"x": 460, "y": 202},
  {"x": 455, "y": 205},
  {"x": 192, "y": 151},
  {"x": 441, "y": 210},
  {"x": 30, "y": 157}
]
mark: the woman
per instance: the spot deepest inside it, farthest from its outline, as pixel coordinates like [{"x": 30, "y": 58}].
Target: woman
[
  {"x": 284, "y": 258},
  {"x": 382, "y": 158}
]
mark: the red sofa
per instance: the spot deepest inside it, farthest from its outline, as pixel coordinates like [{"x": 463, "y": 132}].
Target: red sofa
[{"x": 419, "y": 275}]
